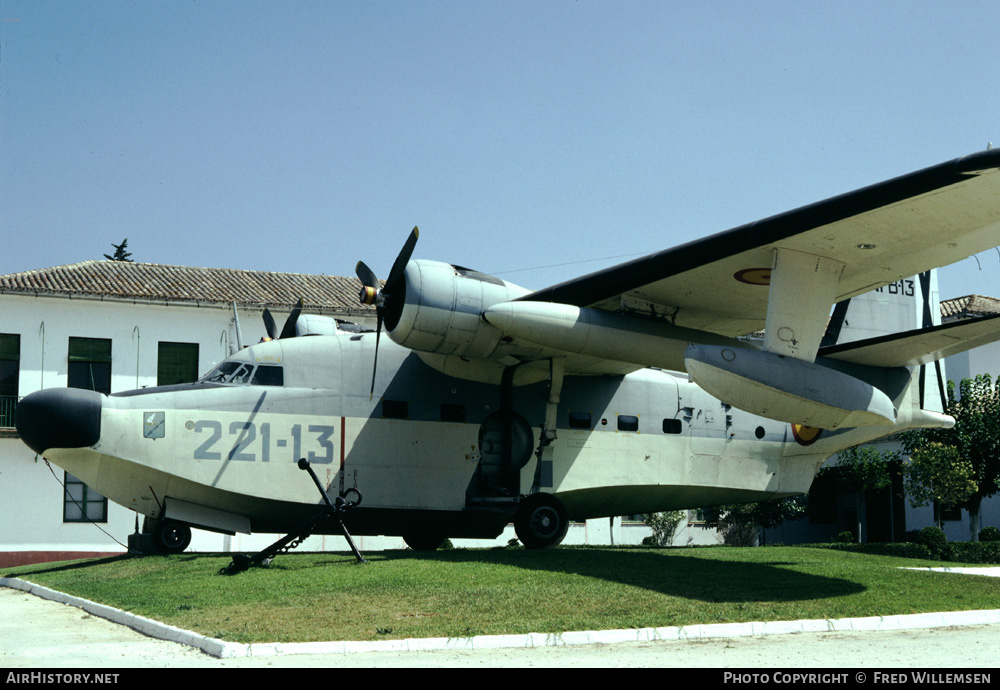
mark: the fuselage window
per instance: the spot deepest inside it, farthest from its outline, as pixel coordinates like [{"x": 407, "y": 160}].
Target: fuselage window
[
  {"x": 628, "y": 422},
  {"x": 672, "y": 426},
  {"x": 580, "y": 420},
  {"x": 268, "y": 375},
  {"x": 395, "y": 409},
  {"x": 452, "y": 413}
]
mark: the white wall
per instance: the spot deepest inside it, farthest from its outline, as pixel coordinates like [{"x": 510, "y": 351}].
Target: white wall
[
  {"x": 31, "y": 499},
  {"x": 45, "y": 325}
]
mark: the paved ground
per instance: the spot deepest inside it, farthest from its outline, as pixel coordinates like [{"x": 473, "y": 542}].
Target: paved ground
[{"x": 36, "y": 633}]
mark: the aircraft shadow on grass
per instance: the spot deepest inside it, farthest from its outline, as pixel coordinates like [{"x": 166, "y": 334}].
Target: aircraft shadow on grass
[{"x": 688, "y": 577}]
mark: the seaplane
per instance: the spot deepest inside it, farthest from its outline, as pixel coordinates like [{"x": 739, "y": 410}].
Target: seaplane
[{"x": 630, "y": 390}]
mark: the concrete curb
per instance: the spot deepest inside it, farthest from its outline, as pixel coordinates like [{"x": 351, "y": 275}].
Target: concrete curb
[{"x": 222, "y": 649}]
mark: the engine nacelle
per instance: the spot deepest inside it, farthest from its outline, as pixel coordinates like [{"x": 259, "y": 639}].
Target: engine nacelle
[{"x": 442, "y": 307}]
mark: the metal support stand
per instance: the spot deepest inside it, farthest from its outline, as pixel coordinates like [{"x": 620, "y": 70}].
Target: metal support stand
[{"x": 334, "y": 510}]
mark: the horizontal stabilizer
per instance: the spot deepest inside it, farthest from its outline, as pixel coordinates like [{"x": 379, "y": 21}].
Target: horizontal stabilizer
[{"x": 920, "y": 346}]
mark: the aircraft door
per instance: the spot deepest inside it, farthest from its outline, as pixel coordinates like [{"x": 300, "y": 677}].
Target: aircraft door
[
  {"x": 708, "y": 424},
  {"x": 506, "y": 442}
]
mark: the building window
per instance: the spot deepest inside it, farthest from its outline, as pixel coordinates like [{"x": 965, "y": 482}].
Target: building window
[
  {"x": 10, "y": 356},
  {"x": 90, "y": 364},
  {"x": 944, "y": 513},
  {"x": 83, "y": 504},
  {"x": 176, "y": 363}
]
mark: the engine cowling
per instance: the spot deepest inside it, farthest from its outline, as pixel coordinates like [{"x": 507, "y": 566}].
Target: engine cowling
[{"x": 441, "y": 309}]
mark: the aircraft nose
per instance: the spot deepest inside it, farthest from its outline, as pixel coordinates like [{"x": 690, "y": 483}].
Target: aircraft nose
[{"x": 59, "y": 418}]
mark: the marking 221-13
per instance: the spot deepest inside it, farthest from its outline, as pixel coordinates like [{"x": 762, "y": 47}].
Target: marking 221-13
[{"x": 245, "y": 435}]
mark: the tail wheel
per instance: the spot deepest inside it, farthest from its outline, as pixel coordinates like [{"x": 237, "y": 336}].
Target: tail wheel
[
  {"x": 171, "y": 537},
  {"x": 540, "y": 521}
]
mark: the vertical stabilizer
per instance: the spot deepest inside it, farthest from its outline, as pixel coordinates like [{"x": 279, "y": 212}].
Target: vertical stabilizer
[{"x": 906, "y": 305}]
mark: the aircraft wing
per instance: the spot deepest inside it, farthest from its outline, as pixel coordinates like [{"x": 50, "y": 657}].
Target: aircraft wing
[{"x": 882, "y": 233}]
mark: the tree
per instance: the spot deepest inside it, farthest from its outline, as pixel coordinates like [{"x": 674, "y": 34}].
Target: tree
[
  {"x": 976, "y": 437},
  {"x": 865, "y": 470},
  {"x": 121, "y": 254},
  {"x": 741, "y": 524},
  {"x": 937, "y": 473},
  {"x": 664, "y": 526}
]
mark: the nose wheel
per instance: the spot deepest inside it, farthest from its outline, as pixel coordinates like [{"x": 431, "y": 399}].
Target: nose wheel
[
  {"x": 171, "y": 537},
  {"x": 540, "y": 521}
]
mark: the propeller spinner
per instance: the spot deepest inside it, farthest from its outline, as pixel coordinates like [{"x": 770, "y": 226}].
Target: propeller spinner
[{"x": 386, "y": 299}]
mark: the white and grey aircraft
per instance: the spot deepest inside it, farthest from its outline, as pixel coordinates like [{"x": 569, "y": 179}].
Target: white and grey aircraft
[{"x": 629, "y": 390}]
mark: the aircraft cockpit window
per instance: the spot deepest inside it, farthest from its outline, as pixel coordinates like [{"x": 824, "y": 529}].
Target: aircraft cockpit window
[
  {"x": 221, "y": 373},
  {"x": 268, "y": 375},
  {"x": 243, "y": 373}
]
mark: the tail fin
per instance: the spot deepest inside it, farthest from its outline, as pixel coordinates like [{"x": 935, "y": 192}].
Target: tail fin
[{"x": 906, "y": 306}]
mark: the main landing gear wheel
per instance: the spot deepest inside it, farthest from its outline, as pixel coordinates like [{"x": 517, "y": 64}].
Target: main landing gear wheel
[
  {"x": 171, "y": 537},
  {"x": 540, "y": 521},
  {"x": 424, "y": 541}
]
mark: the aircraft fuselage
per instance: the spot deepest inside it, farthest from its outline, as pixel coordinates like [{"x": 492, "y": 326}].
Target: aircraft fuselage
[{"x": 428, "y": 452}]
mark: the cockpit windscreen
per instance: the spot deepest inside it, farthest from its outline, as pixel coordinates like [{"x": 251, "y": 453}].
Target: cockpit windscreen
[{"x": 244, "y": 373}]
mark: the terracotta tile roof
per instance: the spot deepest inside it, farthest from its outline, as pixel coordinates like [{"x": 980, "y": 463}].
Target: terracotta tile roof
[
  {"x": 155, "y": 282},
  {"x": 969, "y": 306}
]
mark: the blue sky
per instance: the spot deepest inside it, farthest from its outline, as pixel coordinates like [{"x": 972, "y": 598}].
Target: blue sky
[{"x": 571, "y": 135}]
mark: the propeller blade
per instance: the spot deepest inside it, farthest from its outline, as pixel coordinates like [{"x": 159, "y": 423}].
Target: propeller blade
[
  {"x": 378, "y": 333},
  {"x": 288, "y": 331},
  {"x": 366, "y": 275},
  {"x": 373, "y": 294},
  {"x": 269, "y": 326},
  {"x": 396, "y": 274}
]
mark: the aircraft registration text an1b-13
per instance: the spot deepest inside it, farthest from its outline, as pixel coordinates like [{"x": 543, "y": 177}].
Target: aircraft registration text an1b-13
[{"x": 629, "y": 390}]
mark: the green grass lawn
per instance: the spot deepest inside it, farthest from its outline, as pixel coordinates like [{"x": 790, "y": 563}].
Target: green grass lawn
[{"x": 399, "y": 594}]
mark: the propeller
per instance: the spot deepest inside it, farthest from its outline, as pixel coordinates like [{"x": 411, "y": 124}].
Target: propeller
[
  {"x": 288, "y": 330},
  {"x": 387, "y": 299}
]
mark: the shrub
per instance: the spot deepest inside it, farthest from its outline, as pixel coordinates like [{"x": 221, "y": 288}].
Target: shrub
[
  {"x": 989, "y": 534},
  {"x": 664, "y": 526},
  {"x": 976, "y": 552},
  {"x": 740, "y": 534},
  {"x": 845, "y": 537},
  {"x": 935, "y": 541}
]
